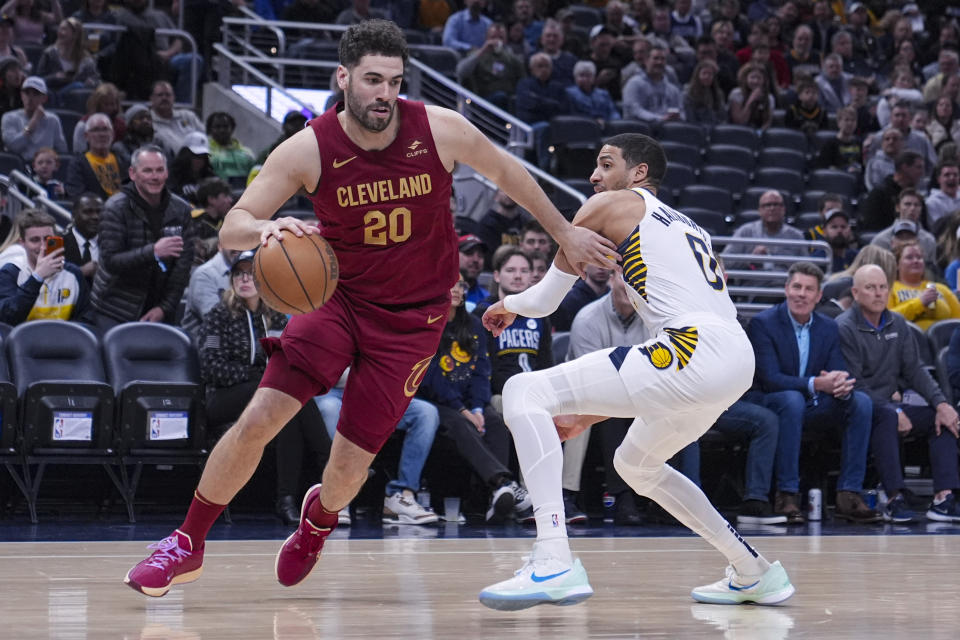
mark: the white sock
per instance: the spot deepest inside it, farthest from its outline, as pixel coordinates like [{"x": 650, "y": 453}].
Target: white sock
[{"x": 687, "y": 503}]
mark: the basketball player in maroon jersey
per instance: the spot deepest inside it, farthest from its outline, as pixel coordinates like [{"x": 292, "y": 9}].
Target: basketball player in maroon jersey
[{"x": 377, "y": 169}]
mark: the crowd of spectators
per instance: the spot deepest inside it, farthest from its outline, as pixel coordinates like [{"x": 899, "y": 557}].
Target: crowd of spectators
[{"x": 872, "y": 87}]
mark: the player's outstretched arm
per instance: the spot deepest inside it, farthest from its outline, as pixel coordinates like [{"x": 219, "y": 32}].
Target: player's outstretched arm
[
  {"x": 459, "y": 141},
  {"x": 293, "y": 165}
]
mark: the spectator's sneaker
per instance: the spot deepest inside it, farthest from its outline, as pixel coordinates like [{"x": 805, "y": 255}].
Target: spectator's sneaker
[
  {"x": 759, "y": 512},
  {"x": 788, "y": 504},
  {"x": 521, "y": 499},
  {"x": 400, "y": 509},
  {"x": 543, "y": 579},
  {"x": 946, "y": 511},
  {"x": 300, "y": 552},
  {"x": 850, "y": 506},
  {"x": 896, "y": 510},
  {"x": 773, "y": 587},
  {"x": 526, "y": 516},
  {"x": 343, "y": 518},
  {"x": 501, "y": 504},
  {"x": 173, "y": 562},
  {"x": 571, "y": 511}
]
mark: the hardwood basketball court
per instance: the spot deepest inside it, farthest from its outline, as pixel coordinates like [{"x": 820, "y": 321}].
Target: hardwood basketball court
[{"x": 882, "y": 586}]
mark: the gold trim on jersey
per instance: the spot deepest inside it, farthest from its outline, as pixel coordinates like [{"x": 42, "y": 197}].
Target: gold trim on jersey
[
  {"x": 684, "y": 341},
  {"x": 634, "y": 268}
]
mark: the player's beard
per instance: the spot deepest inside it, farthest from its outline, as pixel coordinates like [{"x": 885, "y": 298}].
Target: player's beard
[{"x": 361, "y": 114}]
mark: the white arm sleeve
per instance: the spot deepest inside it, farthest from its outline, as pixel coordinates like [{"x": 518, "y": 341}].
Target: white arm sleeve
[{"x": 543, "y": 298}]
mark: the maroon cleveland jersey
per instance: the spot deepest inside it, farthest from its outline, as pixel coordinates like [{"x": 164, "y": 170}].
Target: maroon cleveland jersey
[{"x": 387, "y": 213}]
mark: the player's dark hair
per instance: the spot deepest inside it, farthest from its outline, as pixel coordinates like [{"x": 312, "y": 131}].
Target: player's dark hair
[
  {"x": 638, "y": 148},
  {"x": 807, "y": 269},
  {"x": 373, "y": 37},
  {"x": 459, "y": 329}
]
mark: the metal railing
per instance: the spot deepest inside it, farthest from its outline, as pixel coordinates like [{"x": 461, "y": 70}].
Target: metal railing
[
  {"x": 766, "y": 283},
  {"x": 173, "y": 33},
  {"x": 23, "y": 192}
]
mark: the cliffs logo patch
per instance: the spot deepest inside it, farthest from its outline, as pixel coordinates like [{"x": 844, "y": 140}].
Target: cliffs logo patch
[
  {"x": 415, "y": 149},
  {"x": 658, "y": 355}
]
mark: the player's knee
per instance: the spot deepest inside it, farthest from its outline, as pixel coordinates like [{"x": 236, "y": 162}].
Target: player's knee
[
  {"x": 635, "y": 473},
  {"x": 522, "y": 393},
  {"x": 259, "y": 424}
]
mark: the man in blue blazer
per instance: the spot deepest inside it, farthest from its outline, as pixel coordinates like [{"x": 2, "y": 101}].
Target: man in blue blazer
[{"x": 803, "y": 377}]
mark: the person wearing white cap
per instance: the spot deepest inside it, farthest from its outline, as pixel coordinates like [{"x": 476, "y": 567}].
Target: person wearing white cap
[
  {"x": 30, "y": 128},
  {"x": 190, "y": 166}
]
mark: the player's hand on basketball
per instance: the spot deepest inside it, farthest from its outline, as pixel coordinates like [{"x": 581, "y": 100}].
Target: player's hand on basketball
[
  {"x": 168, "y": 247},
  {"x": 581, "y": 246},
  {"x": 496, "y": 318},
  {"x": 947, "y": 419},
  {"x": 275, "y": 228},
  {"x": 570, "y": 426}
]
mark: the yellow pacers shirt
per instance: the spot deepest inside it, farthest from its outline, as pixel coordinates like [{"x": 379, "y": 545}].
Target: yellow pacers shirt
[{"x": 107, "y": 171}]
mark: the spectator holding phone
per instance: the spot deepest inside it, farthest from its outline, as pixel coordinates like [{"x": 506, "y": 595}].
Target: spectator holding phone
[{"x": 36, "y": 282}]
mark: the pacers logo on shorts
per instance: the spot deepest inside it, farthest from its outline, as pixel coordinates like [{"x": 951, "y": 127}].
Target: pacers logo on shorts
[
  {"x": 416, "y": 377},
  {"x": 658, "y": 355}
]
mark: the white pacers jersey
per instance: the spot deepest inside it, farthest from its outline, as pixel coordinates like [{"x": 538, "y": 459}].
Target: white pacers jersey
[{"x": 670, "y": 268}]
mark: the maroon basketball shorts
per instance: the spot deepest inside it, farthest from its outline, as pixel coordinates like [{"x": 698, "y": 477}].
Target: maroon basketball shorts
[{"x": 388, "y": 352}]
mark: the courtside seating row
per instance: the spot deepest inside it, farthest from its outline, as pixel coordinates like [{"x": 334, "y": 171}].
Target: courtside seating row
[{"x": 131, "y": 399}]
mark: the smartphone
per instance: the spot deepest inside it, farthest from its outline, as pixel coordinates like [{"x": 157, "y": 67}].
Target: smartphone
[{"x": 53, "y": 243}]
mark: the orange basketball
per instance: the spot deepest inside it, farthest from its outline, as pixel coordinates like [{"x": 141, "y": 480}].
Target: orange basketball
[{"x": 296, "y": 275}]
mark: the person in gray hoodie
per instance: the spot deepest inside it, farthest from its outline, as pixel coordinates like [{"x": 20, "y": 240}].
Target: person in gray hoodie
[
  {"x": 943, "y": 202},
  {"x": 880, "y": 351}
]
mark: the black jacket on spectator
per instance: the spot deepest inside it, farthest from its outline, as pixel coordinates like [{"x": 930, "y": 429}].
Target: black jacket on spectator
[
  {"x": 537, "y": 102},
  {"x": 878, "y": 209},
  {"x": 227, "y": 357},
  {"x": 82, "y": 179},
  {"x": 130, "y": 280}
]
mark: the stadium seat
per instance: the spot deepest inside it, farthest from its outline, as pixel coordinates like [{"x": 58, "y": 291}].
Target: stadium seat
[
  {"x": 10, "y": 162},
  {"x": 714, "y": 222},
  {"x": 66, "y": 407},
  {"x": 784, "y": 180},
  {"x": 706, "y": 197},
  {"x": 807, "y": 220},
  {"x": 810, "y": 200},
  {"x": 680, "y": 153},
  {"x": 822, "y": 137},
  {"x": 584, "y": 16},
  {"x": 923, "y": 345},
  {"x": 785, "y": 138},
  {"x": 613, "y": 127},
  {"x": 75, "y": 100},
  {"x": 744, "y": 216},
  {"x": 782, "y": 158},
  {"x": 729, "y": 178},
  {"x": 677, "y": 177},
  {"x": 441, "y": 59},
  {"x": 730, "y": 155},
  {"x": 835, "y": 287},
  {"x": 684, "y": 133},
  {"x": 735, "y": 134},
  {"x": 575, "y": 141},
  {"x": 574, "y": 129},
  {"x": 155, "y": 376},
  {"x": 940, "y": 332},
  {"x": 835, "y": 181},
  {"x": 68, "y": 120}
]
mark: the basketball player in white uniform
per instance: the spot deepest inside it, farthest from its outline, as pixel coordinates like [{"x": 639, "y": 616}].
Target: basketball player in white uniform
[{"x": 675, "y": 385}]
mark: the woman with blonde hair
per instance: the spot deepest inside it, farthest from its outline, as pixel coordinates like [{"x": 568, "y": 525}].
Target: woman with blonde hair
[
  {"x": 870, "y": 254},
  {"x": 917, "y": 299},
  {"x": 752, "y": 102},
  {"x": 66, "y": 65}
]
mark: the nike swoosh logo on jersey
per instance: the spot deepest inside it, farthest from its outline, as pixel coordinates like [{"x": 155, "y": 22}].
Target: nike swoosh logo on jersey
[
  {"x": 536, "y": 578},
  {"x": 339, "y": 163},
  {"x": 432, "y": 320}
]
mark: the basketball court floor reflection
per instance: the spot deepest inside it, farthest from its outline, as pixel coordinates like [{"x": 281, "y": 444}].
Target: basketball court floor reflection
[{"x": 884, "y": 586}]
